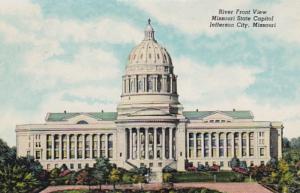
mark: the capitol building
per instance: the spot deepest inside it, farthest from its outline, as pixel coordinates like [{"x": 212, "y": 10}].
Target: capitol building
[{"x": 150, "y": 127}]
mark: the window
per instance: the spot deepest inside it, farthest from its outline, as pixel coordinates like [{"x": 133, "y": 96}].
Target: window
[
  {"x": 82, "y": 122},
  {"x": 150, "y": 86},
  {"x": 71, "y": 166},
  {"x": 221, "y": 164},
  {"x": 38, "y": 155},
  {"x": 151, "y": 164},
  {"x": 159, "y": 164},
  {"x": 56, "y": 165},
  {"x": 140, "y": 85},
  {"x": 48, "y": 167},
  {"x": 79, "y": 166},
  {"x": 262, "y": 151},
  {"x": 262, "y": 163}
]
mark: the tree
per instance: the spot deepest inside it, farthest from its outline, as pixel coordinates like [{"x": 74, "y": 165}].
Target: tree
[
  {"x": 7, "y": 154},
  {"x": 235, "y": 162},
  {"x": 101, "y": 170},
  {"x": 114, "y": 177},
  {"x": 295, "y": 142},
  {"x": 15, "y": 178},
  {"x": 285, "y": 143},
  {"x": 283, "y": 177}
]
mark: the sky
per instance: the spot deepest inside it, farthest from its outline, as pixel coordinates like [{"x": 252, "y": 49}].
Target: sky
[{"x": 70, "y": 55}]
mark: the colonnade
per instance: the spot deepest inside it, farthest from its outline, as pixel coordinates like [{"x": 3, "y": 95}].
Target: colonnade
[
  {"x": 79, "y": 146},
  {"x": 220, "y": 144},
  {"x": 149, "y": 83},
  {"x": 150, "y": 143}
]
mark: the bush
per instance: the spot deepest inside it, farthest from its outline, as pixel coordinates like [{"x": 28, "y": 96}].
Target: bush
[
  {"x": 167, "y": 177},
  {"x": 222, "y": 176},
  {"x": 127, "y": 179}
]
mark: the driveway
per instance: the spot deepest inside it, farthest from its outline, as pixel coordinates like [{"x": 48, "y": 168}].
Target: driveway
[{"x": 222, "y": 187}]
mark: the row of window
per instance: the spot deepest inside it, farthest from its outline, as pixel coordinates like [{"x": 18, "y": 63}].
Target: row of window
[
  {"x": 86, "y": 145},
  {"x": 216, "y": 121},
  {"x": 221, "y": 148}
]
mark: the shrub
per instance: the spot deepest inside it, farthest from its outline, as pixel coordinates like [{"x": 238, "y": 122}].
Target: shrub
[
  {"x": 167, "y": 177},
  {"x": 127, "y": 179}
]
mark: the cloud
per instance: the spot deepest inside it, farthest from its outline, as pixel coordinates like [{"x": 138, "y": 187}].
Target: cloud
[
  {"x": 218, "y": 82},
  {"x": 89, "y": 64},
  {"x": 82, "y": 99},
  {"x": 24, "y": 22},
  {"x": 222, "y": 87}
]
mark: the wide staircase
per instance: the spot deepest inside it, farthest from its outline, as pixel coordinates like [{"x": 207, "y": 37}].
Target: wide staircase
[{"x": 156, "y": 176}]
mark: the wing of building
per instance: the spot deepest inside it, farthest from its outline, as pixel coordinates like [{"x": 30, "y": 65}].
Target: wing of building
[{"x": 150, "y": 127}]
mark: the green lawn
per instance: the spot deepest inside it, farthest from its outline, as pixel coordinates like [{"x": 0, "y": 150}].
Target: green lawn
[{"x": 221, "y": 176}]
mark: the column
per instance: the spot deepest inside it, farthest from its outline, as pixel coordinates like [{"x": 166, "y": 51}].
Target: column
[
  {"x": 76, "y": 147},
  {"x": 195, "y": 145},
  {"x": 68, "y": 146},
  {"x": 202, "y": 144},
  {"x": 188, "y": 145},
  {"x": 163, "y": 143},
  {"x": 91, "y": 145},
  {"x": 209, "y": 145},
  {"x": 98, "y": 147},
  {"x": 225, "y": 145},
  {"x": 171, "y": 83},
  {"x": 52, "y": 150},
  {"x": 279, "y": 143},
  {"x": 155, "y": 142},
  {"x": 240, "y": 144},
  {"x": 170, "y": 143},
  {"x": 124, "y": 82},
  {"x": 106, "y": 146},
  {"x": 247, "y": 144},
  {"x": 138, "y": 145},
  {"x": 146, "y": 83},
  {"x": 83, "y": 147},
  {"x": 130, "y": 143},
  {"x": 232, "y": 144},
  {"x": 146, "y": 143},
  {"x": 60, "y": 147},
  {"x": 218, "y": 144}
]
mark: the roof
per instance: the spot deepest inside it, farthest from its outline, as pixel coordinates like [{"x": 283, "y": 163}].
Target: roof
[
  {"x": 111, "y": 116},
  {"x": 233, "y": 114},
  {"x": 104, "y": 116}
]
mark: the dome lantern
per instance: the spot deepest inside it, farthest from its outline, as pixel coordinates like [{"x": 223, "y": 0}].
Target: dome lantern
[{"x": 149, "y": 31}]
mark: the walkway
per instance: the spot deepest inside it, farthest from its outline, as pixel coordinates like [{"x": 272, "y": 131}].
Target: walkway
[{"x": 223, "y": 187}]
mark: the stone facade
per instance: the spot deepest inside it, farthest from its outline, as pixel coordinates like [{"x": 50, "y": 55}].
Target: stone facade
[{"x": 150, "y": 127}]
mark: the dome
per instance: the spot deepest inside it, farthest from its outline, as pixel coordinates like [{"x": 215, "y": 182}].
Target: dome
[{"x": 149, "y": 51}]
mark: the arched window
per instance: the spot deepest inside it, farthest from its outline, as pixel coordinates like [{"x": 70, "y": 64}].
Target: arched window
[{"x": 82, "y": 122}]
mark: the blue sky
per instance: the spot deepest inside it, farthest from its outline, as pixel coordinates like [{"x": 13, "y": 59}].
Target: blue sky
[{"x": 70, "y": 55}]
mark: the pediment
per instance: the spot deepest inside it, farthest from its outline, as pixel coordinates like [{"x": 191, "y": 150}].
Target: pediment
[
  {"x": 82, "y": 118},
  {"x": 149, "y": 112},
  {"x": 217, "y": 116}
]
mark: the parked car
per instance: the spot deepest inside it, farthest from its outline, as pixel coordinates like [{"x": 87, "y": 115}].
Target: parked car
[
  {"x": 191, "y": 169},
  {"x": 240, "y": 170},
  {"x": 214, "y": 167},
  {"x": 202, "y": 168}
]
